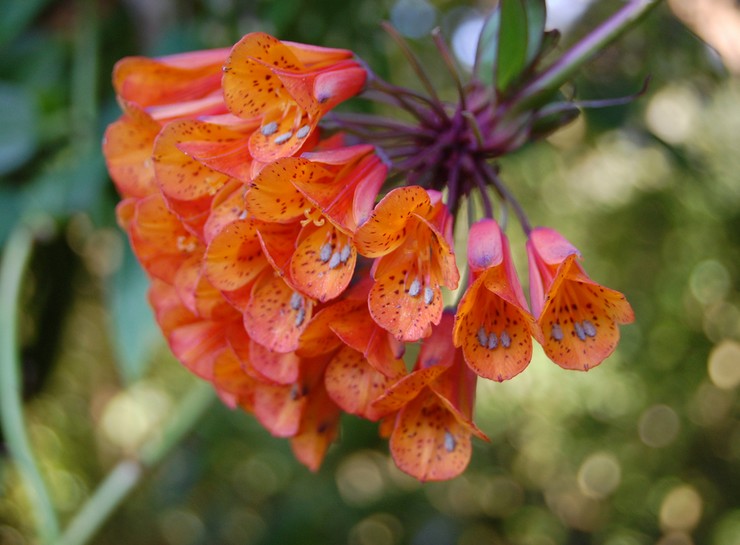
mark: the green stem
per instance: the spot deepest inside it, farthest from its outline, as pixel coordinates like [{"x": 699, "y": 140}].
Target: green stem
[
  {"x": 16, "y": 258},
  {"x": 562, "y": 69},
  {"x": 128, "y": 473}
]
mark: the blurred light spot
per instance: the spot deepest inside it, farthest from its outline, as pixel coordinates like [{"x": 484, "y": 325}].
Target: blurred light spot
[
  {"x": 575, "y": 509},
  {"x": 562, "y": 14},
  {"x": 710, "y": 405},
  {"x": 458, "y": 497},
  {"x": 378, "y": 529},
  {"x": 501, "y": 496},
  {"x": 256, "y": 478},
  {"x": 413, "y": 18},
  {"x": 681, "y": 508},
  {"x": 721, "y": 321},
  {"x": 709, "y": 281},
  {"x": 180, "y": 527},
  {"x": 359, "y": 479},
  {"x": 132, "y": 415},
  {"x": 724, "y": 365},
  {"x": 675, "y": 538},
  {"x": 727, "y": 530},
  {"x": 68, "y": 489},
  {"x": 599, "y": 475},
  {"x": 659, "y": 426},
  {"x": 103, "y": 252},
  {"x": 465, "y": 40},
  {"x": 610, "y": 172},
  {"x": 242, "y": 526},
  {"x": 672, "y": 113}
]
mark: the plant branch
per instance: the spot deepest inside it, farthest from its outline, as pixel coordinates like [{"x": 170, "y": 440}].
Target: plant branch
[
  {"x": 562, "y": 69},
  {"x": 16, "y": 258}
]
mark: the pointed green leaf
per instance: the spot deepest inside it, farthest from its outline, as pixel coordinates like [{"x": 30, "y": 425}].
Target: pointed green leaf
[
  {"x": 512, "y": 44},
  {"x": 536, "y": 15},
  {"x": 486, "y": 56}
]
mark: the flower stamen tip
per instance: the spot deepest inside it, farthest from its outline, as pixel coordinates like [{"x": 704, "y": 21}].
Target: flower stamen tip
[
  {"x": 303, "y": 131},
  {"x": 283, "y": 138},
  {"x": 269, "y": 129},
  {"x": 325, "y": 252},
  {"x": 428, "y": 295},
  {"x": 415, "y": 288}
]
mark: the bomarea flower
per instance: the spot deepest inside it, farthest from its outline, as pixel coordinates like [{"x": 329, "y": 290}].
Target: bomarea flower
[
  {"x": 578, "y": 317},
  {"x": 493, "y": 324},
  {"x": 410, "y": 234},
  {"x": 295, "y": 252}
]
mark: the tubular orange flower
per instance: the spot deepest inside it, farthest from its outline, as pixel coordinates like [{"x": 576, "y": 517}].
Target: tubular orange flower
[
  {"x": 493, "y": 325},
  {"x": 276, "y": 276},
  {"x": 328, "y": 193},
  {"x": 289, "y": 86},
  {"x": 577, "y": 316},
  {"x": 410, "y": 232},
  {"x": 431, "y": 437}
]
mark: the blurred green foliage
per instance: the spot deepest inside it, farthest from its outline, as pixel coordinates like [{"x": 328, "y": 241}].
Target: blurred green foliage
[{"x": 644, "y": 449}]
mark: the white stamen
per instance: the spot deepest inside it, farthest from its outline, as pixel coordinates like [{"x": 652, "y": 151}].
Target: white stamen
[
  {"x": 243, "y": 215},
  {"x": 346, "y": 252},
  {"x": 300, "y": 316},
  {"x": 589, "y": 328},
  {"x": 325, "y": 252},
  {"x": 505, "y": 339},
  {"x": 269, "y": 129},
  {"x": 580, "y": 333},
  {"x": 303, "y": 131},
  {"x": 335, "y": 260},
  {"x": 428, "y": 295},
  {"x": 283, "y": 137},
  {"x": 415, "y": 288},
  {"x": 450, "y": 442},
  {"x": 492, "y": 341},
  {"x": 557, "y": 332},
  {"x": 482, "y": 337},
  {"x": 295, "y": 300}
]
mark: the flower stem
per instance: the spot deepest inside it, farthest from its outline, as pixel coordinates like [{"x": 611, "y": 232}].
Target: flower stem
[
  {"x": 562, "y": 69},
  {"x": 128, "y": 473},
  {"x": 16, "y": 258},
  {"x": 490, "y": 174}
]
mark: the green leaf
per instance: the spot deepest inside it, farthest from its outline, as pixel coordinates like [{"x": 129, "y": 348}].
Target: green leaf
[
  {"x": 512, "y": 43},
  {"x": 18, "y": 136},
  {"x": 134, "y": 330},
  {"x": 486, "y": 55},
  {"x": 536, "y": 15}
]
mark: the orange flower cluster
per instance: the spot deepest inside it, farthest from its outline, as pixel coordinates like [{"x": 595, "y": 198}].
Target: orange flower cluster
[{"x": 280, "y": 275}]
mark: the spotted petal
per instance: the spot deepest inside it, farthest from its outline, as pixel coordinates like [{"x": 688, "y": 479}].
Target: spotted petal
[
  {"x": 579, "y": 318},
  {"x": 428, "y": 442}
]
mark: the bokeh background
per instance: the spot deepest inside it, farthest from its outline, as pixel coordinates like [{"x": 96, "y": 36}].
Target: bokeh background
[{"x": 644, "y": 449}]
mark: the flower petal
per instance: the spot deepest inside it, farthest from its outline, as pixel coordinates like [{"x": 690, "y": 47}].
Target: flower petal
[
  {"x": 234, "y": 257},
  {"x": 386, "y": 229},
  {"x": 323, "y": 263},
  {"x": 277, "y": 367},
  {"x": 354, "y": 384},
  {"x": 428, "y": 442},
  {"x": 579, "y": 319},
  {"x": 276, "y": 314}
]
